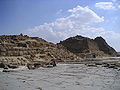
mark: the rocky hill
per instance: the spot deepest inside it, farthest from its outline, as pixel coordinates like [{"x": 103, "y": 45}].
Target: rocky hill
[
  {"x": 103, "y": 46},
  {"x": 87, "y": 48},
  {"x": 22, "y": 49}
]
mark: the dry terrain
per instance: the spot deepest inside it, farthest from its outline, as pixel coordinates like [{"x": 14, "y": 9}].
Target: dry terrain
[{"x": 62, "y": 77}]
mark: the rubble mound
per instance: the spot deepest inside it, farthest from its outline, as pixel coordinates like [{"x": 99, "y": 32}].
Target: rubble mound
[
  {"x": 22, "y": 49},
  {"x": 88, "y": 48}
]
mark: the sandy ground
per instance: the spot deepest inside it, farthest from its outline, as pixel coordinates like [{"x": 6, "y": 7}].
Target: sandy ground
[{"x": 62, "y": 77}]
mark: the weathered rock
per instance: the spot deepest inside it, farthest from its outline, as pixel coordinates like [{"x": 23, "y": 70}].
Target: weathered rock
[
  {"x": 6, "y": 70},
  {"x": 30, "y": 66},
  {"x": 13, "y": 66},
  {"x": 32, "y": 49},
  {"x": 118, "y": 54},
  {"x": 88, "y": 48},
  {"x": 2, "y": 65},
  {"x": 91, "y": 65},
  {"x": 21, "y": 44},
  {"x": 51, "y": 63},
  {"x": 103, "y": 46},
  {"x": 38, "y": 64}
]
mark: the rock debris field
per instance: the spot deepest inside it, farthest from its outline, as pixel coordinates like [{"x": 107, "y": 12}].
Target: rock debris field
[{"x": 62, "y": 77}]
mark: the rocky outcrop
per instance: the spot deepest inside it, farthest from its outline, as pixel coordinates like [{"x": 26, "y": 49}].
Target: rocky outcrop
[
  {"x": 88, "y": 48},
  {"x": 118, "y": 54},
  {"x": 22, "y": 49},
  {"x": 103, "y": 46}
]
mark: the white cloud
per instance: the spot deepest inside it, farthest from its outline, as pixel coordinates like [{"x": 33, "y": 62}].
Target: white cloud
[
  {"x": 77, "y": 23},
  {"x": 105, "y": 5},
  {"x": 84, "y": 15},
  {"x": 114, "y": 5}
]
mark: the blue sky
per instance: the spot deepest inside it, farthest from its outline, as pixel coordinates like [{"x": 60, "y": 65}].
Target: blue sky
[{"x": 47, "y": 19}]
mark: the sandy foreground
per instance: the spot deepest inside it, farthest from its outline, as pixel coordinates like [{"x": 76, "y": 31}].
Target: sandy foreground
[{"x": 62, "y": 77}]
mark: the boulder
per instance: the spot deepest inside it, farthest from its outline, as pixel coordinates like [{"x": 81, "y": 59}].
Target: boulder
[
  {"x": 2, "y": 65},
  {"x": 13, "y": 66},
  {"x": 30, "y": 66}
]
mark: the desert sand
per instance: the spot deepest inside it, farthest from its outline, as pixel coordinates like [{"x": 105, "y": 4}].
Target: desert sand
[{"x": 62, "y": 77}]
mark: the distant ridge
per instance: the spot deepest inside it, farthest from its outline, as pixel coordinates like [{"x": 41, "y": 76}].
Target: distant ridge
[{"x": 88, "y": 48}]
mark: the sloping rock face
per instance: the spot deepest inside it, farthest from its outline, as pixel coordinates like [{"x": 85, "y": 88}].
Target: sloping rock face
[
  {"x": 19, "y": 49},
  {"x": 103, "y": 46},
  {"x": 88, "y": 48},
  {"x": 118, "y": 54}
]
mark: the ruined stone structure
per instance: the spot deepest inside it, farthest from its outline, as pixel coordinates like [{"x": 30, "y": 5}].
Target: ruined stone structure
[
  {"x": 22, "y": 49},
  {"x": 88, "y": 48}
]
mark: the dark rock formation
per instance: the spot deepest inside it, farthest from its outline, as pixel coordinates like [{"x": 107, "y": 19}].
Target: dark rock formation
[
  {"x": 103, "y": 46},
  {"x": 88, "y": 48},
  {"x": 12, "y": 66},
  {"x": 118, "y": 54},
  {"x": 35, "y": 65},
  {"x": 2, "y": 65}
]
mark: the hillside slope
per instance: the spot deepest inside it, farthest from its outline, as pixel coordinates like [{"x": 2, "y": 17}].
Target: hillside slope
[
  {"x": 22, "y": 49},
  {"x": 87, "y": 48}
]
